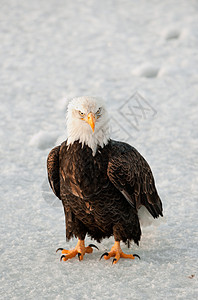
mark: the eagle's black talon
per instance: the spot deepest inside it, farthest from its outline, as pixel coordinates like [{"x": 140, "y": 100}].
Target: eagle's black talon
[
  {"x": 93, "y": 246},
  {"x": 59, "y": 249},
  {"x": 136, "y": 255},
  {"x": 79, "y": 255},
  {"x": 114, "y": 260},
  {"x": 62, "y": 257},
  {"x": 106, "y": 253}
]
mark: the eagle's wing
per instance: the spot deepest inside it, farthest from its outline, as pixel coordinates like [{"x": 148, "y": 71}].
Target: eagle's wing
[
  {"x": 131, "y": 174},
  {"x": 53, "y": 170}
]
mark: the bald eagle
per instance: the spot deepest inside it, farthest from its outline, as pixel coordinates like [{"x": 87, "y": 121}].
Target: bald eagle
[{"x": 102, "y": 183}]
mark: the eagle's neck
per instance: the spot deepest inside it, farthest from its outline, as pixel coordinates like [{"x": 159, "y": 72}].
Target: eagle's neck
[{"x": 83, "y": 133}]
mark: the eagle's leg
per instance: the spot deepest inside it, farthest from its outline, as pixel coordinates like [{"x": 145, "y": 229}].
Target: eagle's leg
[
  {"x": 117, "y": 252},
  {"x": 79, "y": 250}
]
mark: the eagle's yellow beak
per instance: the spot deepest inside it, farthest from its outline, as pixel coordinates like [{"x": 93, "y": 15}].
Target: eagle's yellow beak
[{"x": 91, "y": 120}]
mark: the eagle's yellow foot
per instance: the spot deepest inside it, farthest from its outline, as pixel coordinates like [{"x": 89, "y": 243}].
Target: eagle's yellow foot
[
  {"x": 79, "y": 250},
  {"x": 116, "y": 252}
]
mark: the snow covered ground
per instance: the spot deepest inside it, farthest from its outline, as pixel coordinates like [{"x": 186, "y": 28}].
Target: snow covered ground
[{"x": 51, "y": 51}]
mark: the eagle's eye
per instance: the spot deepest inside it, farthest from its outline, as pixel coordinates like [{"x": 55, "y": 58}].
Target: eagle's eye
[
  {"x": 81, "y": 114},
  {"x": 98, "y": 113}
]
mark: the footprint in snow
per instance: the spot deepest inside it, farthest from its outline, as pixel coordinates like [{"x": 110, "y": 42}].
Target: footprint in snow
[
  {"x": 43, "y": 140},
  {"x": 147, "y": 71},
  {"x": 172, "y": 34}
]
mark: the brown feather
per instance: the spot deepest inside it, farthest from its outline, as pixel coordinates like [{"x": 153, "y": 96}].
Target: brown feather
[{"x": 101, "y": 193}]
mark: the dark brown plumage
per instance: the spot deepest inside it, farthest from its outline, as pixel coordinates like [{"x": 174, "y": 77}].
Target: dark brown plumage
[{"x": 101, "y": 194}]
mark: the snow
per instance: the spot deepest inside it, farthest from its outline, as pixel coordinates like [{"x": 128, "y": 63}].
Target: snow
[{"x": 52, "y": 51}]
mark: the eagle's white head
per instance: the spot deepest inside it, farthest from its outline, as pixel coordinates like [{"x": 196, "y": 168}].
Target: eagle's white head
[{"x": 87, "y": 121}]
